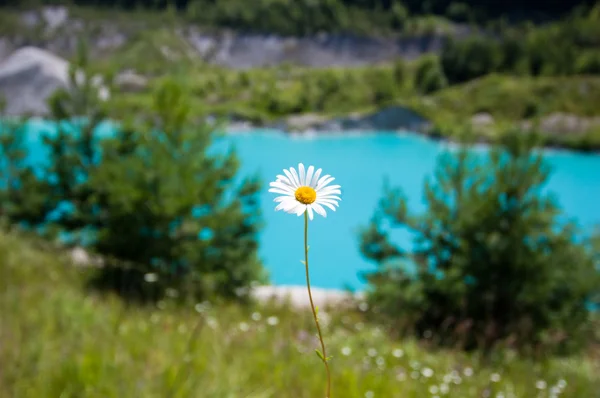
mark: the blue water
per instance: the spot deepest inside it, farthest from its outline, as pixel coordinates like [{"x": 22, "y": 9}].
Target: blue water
[{"x": 359, "y": 163}]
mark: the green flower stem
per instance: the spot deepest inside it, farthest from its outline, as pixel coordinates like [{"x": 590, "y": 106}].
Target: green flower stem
[{"x": 312, "y": 306}]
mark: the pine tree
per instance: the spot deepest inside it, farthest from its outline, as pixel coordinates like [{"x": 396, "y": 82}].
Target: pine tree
[{"x": 490, "y": 261}]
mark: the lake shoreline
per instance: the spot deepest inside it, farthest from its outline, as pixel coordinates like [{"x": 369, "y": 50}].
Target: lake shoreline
[{"x": 402, "y": 120}]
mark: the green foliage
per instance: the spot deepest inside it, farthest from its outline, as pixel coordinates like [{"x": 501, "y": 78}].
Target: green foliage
[
  {"x": 66, "y": 341},
  {"x": 470, "y": 58},
  {"x": 302, "y": 17},
  {"x": 548, "y": 50},
  {"x": 170, "y": 209},
  {"x": 493, "y": 262},
  {"x": 149, "y": 199},
  {"x": 429, "y": 76}
]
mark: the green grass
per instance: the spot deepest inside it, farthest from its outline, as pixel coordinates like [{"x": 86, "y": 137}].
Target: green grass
[{"x": 58, "y": 339}]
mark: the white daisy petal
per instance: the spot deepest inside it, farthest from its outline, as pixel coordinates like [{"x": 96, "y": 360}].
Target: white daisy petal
[
  {"x": 320, "y": 203},
  {"x": 315, "y": 178},
  {"x": 298, "y": 209},
  {"x": 310, "y": 212},
  {"x": 302, "y": 174},
  {"x": 319, "y": 209},
  {"x": 280, "y": 191},
  {"x": 324, "y": 182},
  {"x": 332, "y": 187},
  {"x": 284, "y": 179},
  {"x": 295, "y": 175},
  {"x": 327, "y": 191},
  {"x": 330, "y": 201},
  {"x": 320, "y": 182},
  {"x": 286, "y": 205},
  {"x": 330, "y": 197},
  {"x": 290, "y": 176},
  {"x": 309, "y": 175},
  {"x": 301, "y": 209},
  {"x": 282, "y": 186}
]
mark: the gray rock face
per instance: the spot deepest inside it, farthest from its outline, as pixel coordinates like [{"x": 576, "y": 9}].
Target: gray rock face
[
  {"x": 28, "y": 77},
  {"x": 248, "y": 51}
]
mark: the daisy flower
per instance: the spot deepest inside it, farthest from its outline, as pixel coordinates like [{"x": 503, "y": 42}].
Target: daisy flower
[{"x": 305, "y": 191}]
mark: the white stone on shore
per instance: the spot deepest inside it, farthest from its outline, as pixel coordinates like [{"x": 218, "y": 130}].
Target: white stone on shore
[
  {"x": 28, "y": 77},
  {"x": 297, "y": 296}
]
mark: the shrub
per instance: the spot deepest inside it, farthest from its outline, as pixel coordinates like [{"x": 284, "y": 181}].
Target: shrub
[
  {"x": 169, "y": 209},
  {"x": 429, "y": 76},
  {"x": 470, "y": 58},
  {"x": 492, "y": 262}
]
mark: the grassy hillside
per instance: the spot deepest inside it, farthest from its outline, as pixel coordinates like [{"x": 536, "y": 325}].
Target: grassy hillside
[{"x": 58, "y": 339}]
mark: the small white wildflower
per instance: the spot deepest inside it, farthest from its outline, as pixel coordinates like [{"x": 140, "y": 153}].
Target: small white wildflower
[
  {"x": 444, "y": 389},
  {"x": 256, "y": 316},
  {"x": 457, "y": 380},
  {"x": 448, "y": 378},
  {"x": 380, "y": 361},
  {"x": 372, "y": 352},
  {"x": 272, "y": 320},
  {"x": 401, "y": 376},
  {"x": 468, "y": 372},
  {"x": 555, "y": 390},
  {"x": 359, "y": 326},
  {"x": 363, "y": 306},
  {"x": 495, "y": 378},
  {"x": 500, "y": 395},
  {"x": 97, "y": 81},
  {"x": 80, "y": 77},
  {"x": 103, "y": 94},
  {"x": 212, "y": 323},
  {"x": 541, "y": 385},
  {"x": 182, "y": 329},
  {"x": 151, "y": 277},
  {"x": 398, "y": 353},
  {"x": 305, "y": 191},
  {"x": 427, "y": 372},
  {"x": 346, "y": 351},
  {"x": 562, "y": 383},
  {"x": 244, "y": 326},
  {"x": 433, "y": 389},
  {"x": 414, "y": 364},
  {"x": 369, "y": 394}
]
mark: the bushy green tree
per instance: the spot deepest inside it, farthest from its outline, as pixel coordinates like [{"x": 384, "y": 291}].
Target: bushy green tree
[
  {"x": 490, "y": 260},
  {"x": 170, "y": 210},
  {"x": 429, "y": 75},
  {"x": 470, "y": 58}
]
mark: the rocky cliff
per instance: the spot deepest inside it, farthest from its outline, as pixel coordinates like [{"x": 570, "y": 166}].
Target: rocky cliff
[{"x": 53, "y": 29}]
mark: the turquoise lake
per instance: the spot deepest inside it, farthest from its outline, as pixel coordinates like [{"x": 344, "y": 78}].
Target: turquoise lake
[{"x": 360, "y": 162}]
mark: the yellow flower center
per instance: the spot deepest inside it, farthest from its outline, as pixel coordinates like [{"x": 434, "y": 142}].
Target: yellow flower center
[{"x": 306, "y": 195}]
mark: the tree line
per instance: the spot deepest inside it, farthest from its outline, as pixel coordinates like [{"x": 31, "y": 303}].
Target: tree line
[{"x": 313, "y": 16}]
